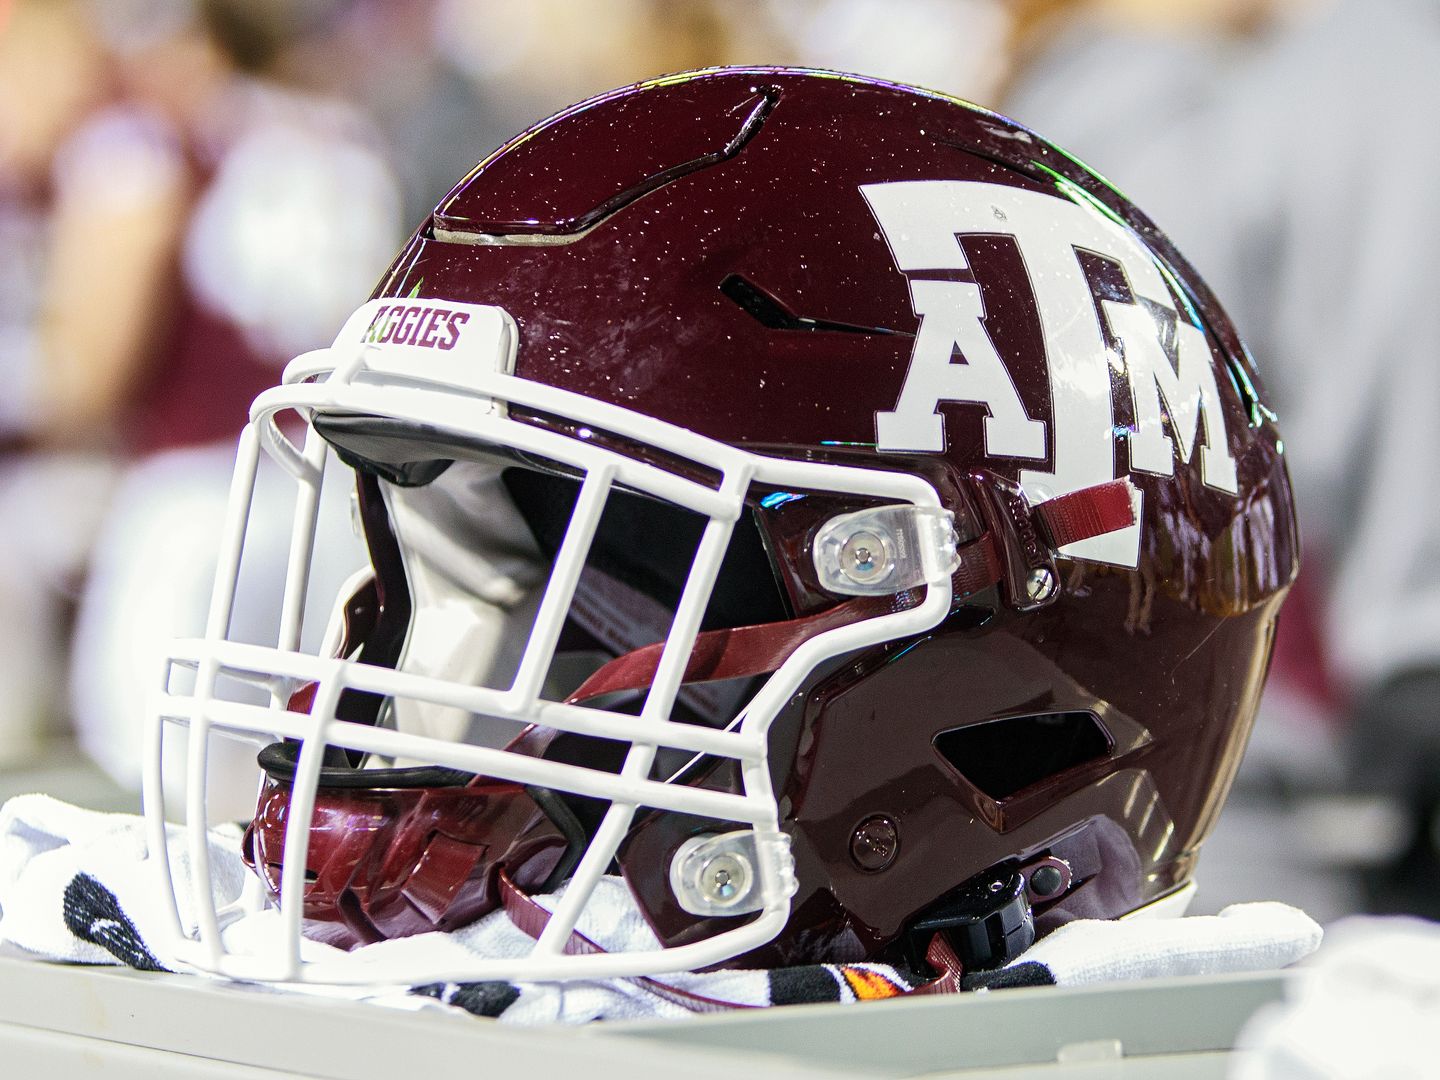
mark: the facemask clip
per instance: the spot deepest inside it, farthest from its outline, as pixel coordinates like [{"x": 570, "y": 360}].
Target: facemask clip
[
  {"x": 885, "y": 550},
  {"x": 719, "y": 874}
]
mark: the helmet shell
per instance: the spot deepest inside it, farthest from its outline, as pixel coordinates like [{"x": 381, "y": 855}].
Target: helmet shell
[{"x": 1103, "y": 728}]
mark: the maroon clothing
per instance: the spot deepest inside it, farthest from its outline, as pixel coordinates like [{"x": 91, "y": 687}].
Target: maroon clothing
[{"x": 200, "y": 385}]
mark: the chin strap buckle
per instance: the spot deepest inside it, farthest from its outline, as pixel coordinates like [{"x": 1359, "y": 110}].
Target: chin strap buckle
[{"x": 986, "y": 922}]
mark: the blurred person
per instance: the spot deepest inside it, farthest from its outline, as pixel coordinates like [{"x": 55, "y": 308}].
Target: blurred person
[
  {"x": 53, "y": 475},
  {"x": 388, "y": 60},
  {"x": 448, "y": 81},
  {"x": 541, "y": 56},
  {"x": 955, "y": 46},
  {"x": 272, "y": 208},
  {"x": 1293, "y": 166}
]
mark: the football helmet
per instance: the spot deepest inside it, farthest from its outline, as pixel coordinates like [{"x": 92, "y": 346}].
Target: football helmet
[{"x": 820, "y": 502}]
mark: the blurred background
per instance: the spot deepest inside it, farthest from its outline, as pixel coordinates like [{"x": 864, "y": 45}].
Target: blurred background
[{"x": 193, "y": 191}]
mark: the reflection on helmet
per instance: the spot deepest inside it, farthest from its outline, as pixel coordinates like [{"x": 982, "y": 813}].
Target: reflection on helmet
[{"x": 820, "y": 502}]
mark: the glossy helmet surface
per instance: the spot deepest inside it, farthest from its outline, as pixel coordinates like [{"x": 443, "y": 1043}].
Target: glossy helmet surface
[{"x": 942, "y": 478}]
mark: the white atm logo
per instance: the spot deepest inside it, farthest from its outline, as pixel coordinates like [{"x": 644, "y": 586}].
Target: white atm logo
[{"x": 923, "y": 221}]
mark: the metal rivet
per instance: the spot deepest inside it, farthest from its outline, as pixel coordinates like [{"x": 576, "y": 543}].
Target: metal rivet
[
  {"x": 1040, "y": 585},
  {"x": 863, "y": 560},
  {"x": 1046, "y": 881},
  {"x": 724, "y": 879},
  {"x": 875, "y": 843}
]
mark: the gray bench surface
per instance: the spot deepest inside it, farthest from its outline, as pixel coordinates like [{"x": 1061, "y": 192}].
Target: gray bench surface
[{"x": 62, "y": 1020}]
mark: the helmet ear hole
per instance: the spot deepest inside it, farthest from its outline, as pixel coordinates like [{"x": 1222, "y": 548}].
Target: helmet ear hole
[{"x": 1002, "y": 757}]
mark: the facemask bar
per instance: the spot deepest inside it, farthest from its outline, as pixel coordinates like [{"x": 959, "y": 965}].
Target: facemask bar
[{"x": 351, "y": 388}]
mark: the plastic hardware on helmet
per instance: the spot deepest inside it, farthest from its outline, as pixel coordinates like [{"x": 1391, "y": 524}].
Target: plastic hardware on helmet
[
  {"x": 1047, "y": 878},
  {"x": 987, "y": 921},
  {"x": 718, "y": 875},
  {"x": 886, "y": 549}
]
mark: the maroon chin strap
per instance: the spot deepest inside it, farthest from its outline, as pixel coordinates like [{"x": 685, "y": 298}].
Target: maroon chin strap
[
  {"x": 1089, "y": 512},
  {"x": 531, "y": 919},
  {"x": 730, "y": 654},
  {"x": 744, "y": 651}
]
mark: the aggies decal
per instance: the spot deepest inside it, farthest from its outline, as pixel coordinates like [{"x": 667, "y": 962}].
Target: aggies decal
[{"x": 412, "y": 324}]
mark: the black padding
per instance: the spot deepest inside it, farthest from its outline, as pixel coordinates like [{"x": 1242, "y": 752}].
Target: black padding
[
  {"x": 405, "y": 454},
  {"x": 650, "y": 546},
  {"x": 279, "y": 760}
]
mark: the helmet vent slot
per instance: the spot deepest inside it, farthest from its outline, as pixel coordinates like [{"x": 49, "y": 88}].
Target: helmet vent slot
[
  {"x": 1002, "y": 757},
  {"x": 770, "y": 311}
]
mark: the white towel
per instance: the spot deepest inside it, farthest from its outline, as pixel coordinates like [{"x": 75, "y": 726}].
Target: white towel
[
  {"x": 74, "y": 886},
  {"x": 1366, "y": 1005},
  {"x": 1243, "y": 937}
]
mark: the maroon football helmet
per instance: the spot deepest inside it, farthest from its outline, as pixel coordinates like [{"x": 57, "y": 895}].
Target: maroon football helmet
[{"x": 820, "y": 502}]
